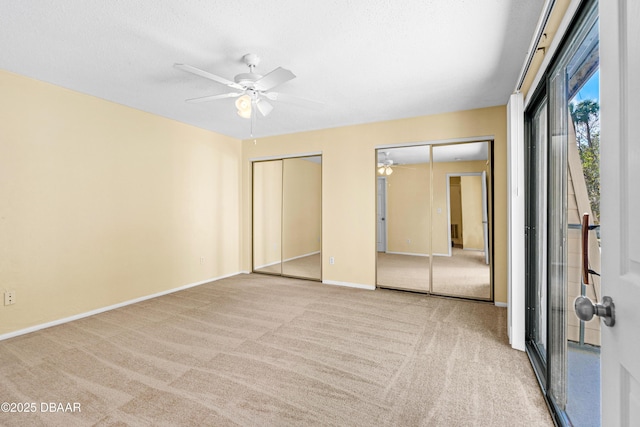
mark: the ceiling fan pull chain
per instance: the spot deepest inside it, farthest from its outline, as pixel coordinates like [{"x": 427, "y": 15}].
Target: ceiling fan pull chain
[{"x": 253, "y": 119}]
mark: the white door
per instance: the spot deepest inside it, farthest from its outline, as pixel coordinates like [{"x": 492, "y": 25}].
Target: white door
[
  {"x": 381, "y": 224},
  {"x": 620, "y": 208}
]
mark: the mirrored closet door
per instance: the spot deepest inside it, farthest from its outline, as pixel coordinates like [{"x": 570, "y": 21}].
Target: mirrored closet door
[
  {"x": 460, "y": 225},
  {"x": 404, "y": 241},
  {"x": 287, "y": 222},
  {"x": 433, "y": 211}
]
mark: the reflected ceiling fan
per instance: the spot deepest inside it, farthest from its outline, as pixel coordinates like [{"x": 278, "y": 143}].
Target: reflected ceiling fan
[
  {"x": 253, "y": 90},
  {"x": 384, "y": 167}
]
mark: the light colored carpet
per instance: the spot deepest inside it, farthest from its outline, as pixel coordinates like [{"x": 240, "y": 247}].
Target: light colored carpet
[
  {"x": 260, "y": 350},
  {"x": 403, "y": 271},
  {"x": 463, "y": 274}
]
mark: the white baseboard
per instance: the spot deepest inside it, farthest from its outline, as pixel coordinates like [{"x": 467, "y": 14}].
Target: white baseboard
[
  {"x": 349, "y": 285},
  {"x": 406, "y": 253},
  {"x": 501, "y": 304},
  {"x": 286, "y": 260},
  {"x": 108, "y": 308},
  {"x": 302, "y": 256},
  {"x": 267, "y": 265},
  {"x": 415, "y": 254}
]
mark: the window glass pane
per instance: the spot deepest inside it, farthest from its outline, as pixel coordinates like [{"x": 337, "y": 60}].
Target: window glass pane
[{"x": 538, "y": 229}]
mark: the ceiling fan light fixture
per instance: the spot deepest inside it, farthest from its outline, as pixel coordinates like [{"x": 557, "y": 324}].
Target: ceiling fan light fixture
[
  {"x": 385, "y": 170},
  {"x": 243, "y": 104}
]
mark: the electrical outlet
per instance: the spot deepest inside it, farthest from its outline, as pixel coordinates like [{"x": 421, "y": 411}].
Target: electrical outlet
[
  {"x": 9, "y": 297},
  {"x": 332, "y": 260}
]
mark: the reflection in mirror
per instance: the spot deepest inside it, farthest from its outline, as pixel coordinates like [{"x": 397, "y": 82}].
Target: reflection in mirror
[
  {"x": 267, "y": 217},
  {"x": 301, "y": 217},
  {"x": 403, "y": 232},
  {"x": 460, "y": 231}
]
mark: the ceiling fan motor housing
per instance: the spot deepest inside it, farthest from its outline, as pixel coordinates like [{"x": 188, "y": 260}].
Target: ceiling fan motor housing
[{"x": 247, "y": 79}]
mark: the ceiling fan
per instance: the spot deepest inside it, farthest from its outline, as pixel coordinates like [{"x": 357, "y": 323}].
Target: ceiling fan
[
  {"x": 253, "y": 91},
  {"x": 384, "y": 167}
]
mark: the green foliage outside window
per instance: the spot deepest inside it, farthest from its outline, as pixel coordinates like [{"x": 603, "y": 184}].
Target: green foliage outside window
[{"x": 586, "y": 119}]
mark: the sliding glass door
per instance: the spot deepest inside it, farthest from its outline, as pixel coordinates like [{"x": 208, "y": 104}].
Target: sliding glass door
[
  {"x": 536, "y": 226},
  {"x": 562, "y": 226},
  {"x": 287, "y": 223},
  {"x": 433, "y": 208}
]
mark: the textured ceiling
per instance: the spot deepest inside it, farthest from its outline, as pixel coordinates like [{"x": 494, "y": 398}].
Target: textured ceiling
[{"x": 366, "y": 60}]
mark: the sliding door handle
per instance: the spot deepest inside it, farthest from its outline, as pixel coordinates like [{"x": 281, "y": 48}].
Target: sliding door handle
[
  {"x": 585, "y": 249},
  {"x": 585, "y": 309}
]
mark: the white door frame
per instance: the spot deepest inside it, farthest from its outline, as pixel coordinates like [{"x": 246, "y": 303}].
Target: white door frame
[{"x": 483, "y": 176}]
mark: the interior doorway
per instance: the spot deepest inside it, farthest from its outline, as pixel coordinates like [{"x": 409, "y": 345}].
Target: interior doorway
[{"x": 467, "y": 206}]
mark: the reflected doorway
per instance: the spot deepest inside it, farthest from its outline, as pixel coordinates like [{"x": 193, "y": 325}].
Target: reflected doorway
[{"x": 465, "y": 271}]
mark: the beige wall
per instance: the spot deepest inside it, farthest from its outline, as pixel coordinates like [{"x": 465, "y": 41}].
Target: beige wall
[
  {"x": 408, "y": 222},
  {"x": 101, "y": 203},
  {"x": 408, "y": 198},
  {"x": 349, "y": 184}
]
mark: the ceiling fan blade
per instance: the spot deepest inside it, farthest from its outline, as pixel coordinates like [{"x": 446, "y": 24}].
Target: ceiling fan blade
[
  {"x": 274, "y": 78},
  {"x": 284, "y": 97},
  {"x": 207, "y": 75},
  {"x": 264, "y": 107},
  {"x": 213, "y": 97}
]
